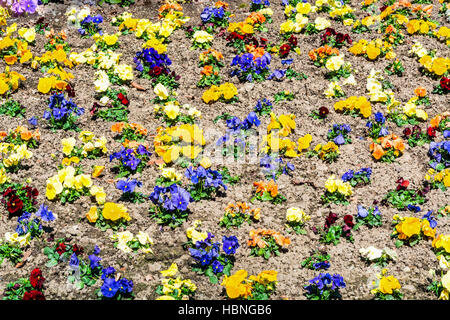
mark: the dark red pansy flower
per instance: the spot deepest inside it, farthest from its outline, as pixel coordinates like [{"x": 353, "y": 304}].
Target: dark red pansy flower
[
  {"x": 293, "y": 41},
  {"x": 70, "y": 91},
  {"x": 332, "y": 217},
  {"x": 8, "y": 192},
  {"x": 77, "y": 249},
  {"x": 125, "y": 101},
  {"x": 31, "y": 192},
  {"x": 329, "y": 32},
  {"x": 15, "y": 204},
  {"x": 34, "y": 192},
  {"x": 37, "y": 279},
  {"x": 347, "y": 38},
  {"x": 61, "y": 248},
  {"x": 285, "y": 49},
  {"x": 157, "y": 70},
  {"x": 340, "y": 38},
  {"x": 323, "y": 111},
  {"x": 407, "y": 131},
  {"x": 33, "y": 295},
  {"x": 348, "y": 220},
  {"x": 445, "y": 83}
]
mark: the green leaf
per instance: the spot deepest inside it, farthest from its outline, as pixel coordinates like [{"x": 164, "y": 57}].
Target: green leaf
[
  {"x": 213, "y": 279},
  {"x": 227, "y": 269},
  {"x": 266, "y": 196},
  {"x": 209, "y": 272},
  {"x": 51, "y": 263},
  {"x": 48, "y": 251}
]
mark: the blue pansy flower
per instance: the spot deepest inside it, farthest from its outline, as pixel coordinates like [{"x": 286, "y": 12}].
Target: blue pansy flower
[
  {"x": 362, "y": 212},
  {"x": 45, "y": 214},
  {"x": 109, "y": 288},
  {"x": 230, "y": 244}
]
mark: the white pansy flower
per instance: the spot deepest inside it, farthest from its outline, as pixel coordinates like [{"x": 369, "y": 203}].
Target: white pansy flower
[{"x": 371, "y": 253}]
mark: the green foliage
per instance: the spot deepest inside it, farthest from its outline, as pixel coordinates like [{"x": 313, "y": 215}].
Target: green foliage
[
  {"x": 86, "y": 277},
  {"x": 396, "y": 295},
  {"x": 15, "y": 290},
  {"x": 134, "y": 197},
  {"x": 12, "y": 108},
  {"x": 401, "y": 119},
  {"x": 173, "y": 218},
  {"x": 271, "y": 248},
  {"x": 395, "y": 67},
  {"x": 297, "y": 227},
  {"x": 104, "y": 224},
  {"x": 115, "y": 110},
  {"x": 317, "y": 257},
  {"x": 122, "y": 3},
  {"x": 10, "y": 252},
  {"x": 261, "y": 291},
  {"x": 266, "y": 196},
  {"x": 70, "y": 195},
  {"x": 236, "y": 216},
  {"x": 283, "y": 96},
  {"x": 334, "y": 197},
  {"x": 332, "y": 235},
  {"x": 419, "y": 139},
  {"x": 371, "y": 220},
  {"x": 400, "y": 199},
  {"x": 227, "y": 178},
  {"x": 226, "y": 260},
  {"x": 54, "y": 257}
]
